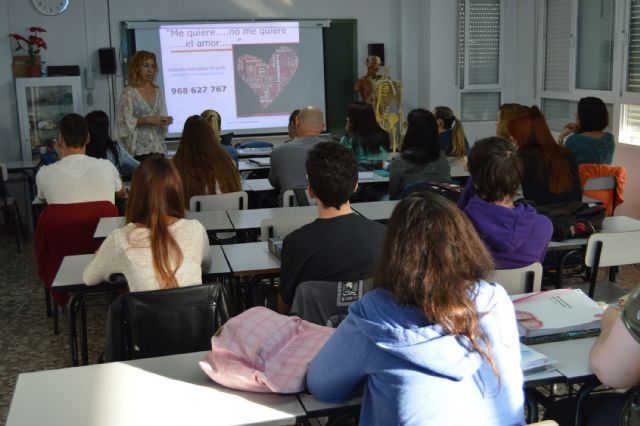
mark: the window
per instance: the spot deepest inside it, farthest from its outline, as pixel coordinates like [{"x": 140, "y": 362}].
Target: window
[
  {"x": 592, "y": 48},
  {"x": 633, "y": 58},
  {"x": 557, "y": 45},
  {"x": 630, "y": 132},
  {"x": 480, "y": 106},
  {"x": 594, "y": 66},
  {"x": 479, "y": 61}
]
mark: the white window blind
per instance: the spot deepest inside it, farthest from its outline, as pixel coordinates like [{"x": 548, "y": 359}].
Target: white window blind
[
  {"x": 630, "y": 132},
  {"x": 594, "y": 65},
  {"x": 483, "y": 44},
  {"x": 633, "y": 61},
  {"x": 559, "y": 112},
  {"x": 460, "y": 39},
  {"x": 557, "y": 45},
  {"x": 480, "y": 106}
]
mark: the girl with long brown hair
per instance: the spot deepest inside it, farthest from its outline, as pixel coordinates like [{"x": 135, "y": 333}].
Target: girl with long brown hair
[
  {"x": 550, "y": 170},
  {"x": 157, "y": 248},
  {"x": 431, "y": 334},
  {"x": 203, "y": 165},
  {"x": 504, "y": 115}
]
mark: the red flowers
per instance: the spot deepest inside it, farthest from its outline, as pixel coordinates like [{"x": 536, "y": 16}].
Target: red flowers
[{"x": 33, "y": 44}]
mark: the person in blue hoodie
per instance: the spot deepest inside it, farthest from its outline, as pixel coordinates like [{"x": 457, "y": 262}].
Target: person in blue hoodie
[
  {"x": 515, "y": 234},
  {"x": 433, "y": 343}
]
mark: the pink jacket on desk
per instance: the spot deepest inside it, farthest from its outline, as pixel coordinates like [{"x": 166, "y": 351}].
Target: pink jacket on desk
[{"x": 263, "y": 351}]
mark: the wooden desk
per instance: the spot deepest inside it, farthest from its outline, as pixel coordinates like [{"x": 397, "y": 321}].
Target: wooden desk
[
  {"x": 375, "y": 210},
  {"x": 170, "y": 390},
  {"x": 211, "y": 220},
  {"x": 252, "y": 219}
]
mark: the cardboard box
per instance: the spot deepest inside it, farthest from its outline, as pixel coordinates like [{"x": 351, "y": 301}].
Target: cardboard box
[{"x": 20, "y": 65}]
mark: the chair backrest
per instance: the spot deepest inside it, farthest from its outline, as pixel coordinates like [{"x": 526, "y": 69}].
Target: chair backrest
[
  {"x": 297, "y": 197},
  {"x": 66, "y": 230},
  {"x": 165, "y": 322},
  {"x": 327, "y": 302},
  {"x": 605, "y": 183},
  {"x": 230, "y": 201},
  {"x": 521, "y": 280},
  {"x": 612, "y": 249},
  {"x": 282, "y": 225}
]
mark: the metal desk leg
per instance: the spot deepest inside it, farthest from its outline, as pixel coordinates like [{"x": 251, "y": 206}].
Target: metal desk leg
[{"x": 73, "y": 335}]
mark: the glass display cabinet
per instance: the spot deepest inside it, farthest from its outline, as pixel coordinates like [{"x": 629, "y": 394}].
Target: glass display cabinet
[{"x": 42, "y": 102}]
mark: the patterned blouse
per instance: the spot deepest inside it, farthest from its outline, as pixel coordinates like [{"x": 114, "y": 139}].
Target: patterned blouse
[{"x": 146, "y": 139}]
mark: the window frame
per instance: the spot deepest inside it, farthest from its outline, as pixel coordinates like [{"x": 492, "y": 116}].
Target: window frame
[{"x": 463, "y": 87}]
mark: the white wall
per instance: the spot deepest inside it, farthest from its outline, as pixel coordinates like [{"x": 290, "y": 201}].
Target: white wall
[{"x": 75, "y": 36}]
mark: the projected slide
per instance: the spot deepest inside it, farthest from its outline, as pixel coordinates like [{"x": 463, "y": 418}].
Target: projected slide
[{"x": 254, "y": 74}]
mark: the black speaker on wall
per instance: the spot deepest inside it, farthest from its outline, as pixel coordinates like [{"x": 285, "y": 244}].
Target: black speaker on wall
[
  {"x": 107, "y": 58},
  {"x": 376, "y": 49}
]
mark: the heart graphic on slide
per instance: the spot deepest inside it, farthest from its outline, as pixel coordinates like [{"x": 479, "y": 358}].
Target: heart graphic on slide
[{"x": 268, "y": 80}]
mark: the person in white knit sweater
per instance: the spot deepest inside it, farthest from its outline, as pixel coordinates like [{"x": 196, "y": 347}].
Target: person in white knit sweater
[{"x": 157, "y": 248}]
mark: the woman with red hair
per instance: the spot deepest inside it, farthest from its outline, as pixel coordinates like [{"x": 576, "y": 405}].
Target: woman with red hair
[{"x": 550, "y": 170}]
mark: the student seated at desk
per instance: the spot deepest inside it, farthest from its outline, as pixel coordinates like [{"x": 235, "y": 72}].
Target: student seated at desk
[
  {"x": 340, "y": 244},
  {"x": 157, "y": 248},
  {"x": 102, "y": 146},
  {"x": 550, "y": 170},
  {"x": 615, "y": 360},
  {"x": 516, "y": 235},
  {"x": 203, "y": 165},
  {"x": 77, "y": 178},
  {"x": 421, "y": 159},
  {"x": 433, "y": 343},
  {"x": 215, "y": 121},
  {"x": 368, "y": 141},
  {"x": 287, "y": 160}
]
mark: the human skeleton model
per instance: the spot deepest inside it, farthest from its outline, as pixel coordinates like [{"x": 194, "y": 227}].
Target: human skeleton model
[{"x": 388, "y": 107}]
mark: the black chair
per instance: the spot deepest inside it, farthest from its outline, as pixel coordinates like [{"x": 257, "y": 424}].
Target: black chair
[
  {"x": 448, "y": 190},
  {"x": 165, "y": 322},
  {"x": 327, "y": 302},
  {"x": 9, "y": 207}
]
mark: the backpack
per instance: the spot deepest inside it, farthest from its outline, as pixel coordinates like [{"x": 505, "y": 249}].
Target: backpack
[{"x": 574, "y": 219}]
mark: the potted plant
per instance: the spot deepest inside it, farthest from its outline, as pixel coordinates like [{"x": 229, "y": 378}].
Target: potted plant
[{"x": 32, "y": 46}]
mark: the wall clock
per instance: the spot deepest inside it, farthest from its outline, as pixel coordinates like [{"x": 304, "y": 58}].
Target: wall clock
[{"x": 51, "y": 7}]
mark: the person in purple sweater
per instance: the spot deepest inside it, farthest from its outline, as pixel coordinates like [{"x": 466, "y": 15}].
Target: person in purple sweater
[{"x": 515, "y": 234}]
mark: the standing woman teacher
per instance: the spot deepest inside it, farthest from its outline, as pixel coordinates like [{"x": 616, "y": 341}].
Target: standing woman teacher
[{"x": 142, "y": 114}]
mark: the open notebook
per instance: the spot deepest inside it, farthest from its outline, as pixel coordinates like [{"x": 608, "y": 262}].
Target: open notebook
[{"x": 556, "y": 315}]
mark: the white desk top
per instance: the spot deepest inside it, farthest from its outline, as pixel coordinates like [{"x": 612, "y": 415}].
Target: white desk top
[
  {"x": 610, "y": 225},
  {"x": 69, "y": 276},
  {"x": 17, "y": 166},
  {"x": 211, "y": 220},
  {"x": 375, "y": 210},
  {"x": 254, "y": 152},
  {"x": 572, "y": 356},
  {"x": 251, "y": 259},
  {"x": 170, "y": 390},
  {"x": 245, "y": 164},
  {"x": 258, "y": 185},
  {"x": 251, "y": 219}
]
